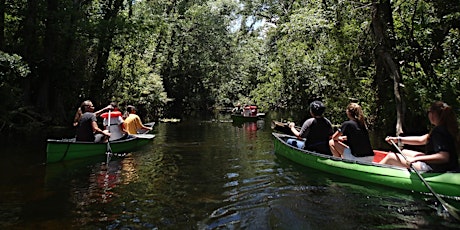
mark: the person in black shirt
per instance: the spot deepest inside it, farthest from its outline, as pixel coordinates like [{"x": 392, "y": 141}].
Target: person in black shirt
[
  {"x": 441, "y": 150},
  {"x": 317, "y": 130},
  {"x": 351, "y": 141}
]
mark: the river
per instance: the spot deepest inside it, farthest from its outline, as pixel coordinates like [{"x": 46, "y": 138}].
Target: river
[{"x": 199, "y": 174}]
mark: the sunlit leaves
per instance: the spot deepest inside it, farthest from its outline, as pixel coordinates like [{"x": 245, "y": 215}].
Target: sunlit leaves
[{"x": 12, "y": 66}]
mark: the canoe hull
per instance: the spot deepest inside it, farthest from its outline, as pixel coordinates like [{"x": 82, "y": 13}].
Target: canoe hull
[
  {"x": 447, "y": 184},
  {"x": 241, "y": 118},
  {"x": 68, "y": 149}
]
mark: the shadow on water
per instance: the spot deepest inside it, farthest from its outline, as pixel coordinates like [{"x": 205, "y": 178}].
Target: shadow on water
[{"x": 196, "y": 174}]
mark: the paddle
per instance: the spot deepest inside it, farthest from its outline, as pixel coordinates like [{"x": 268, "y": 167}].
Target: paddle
[
  {"x": 449, "y": 208},
  {"x": 282, "y": 127},
  {"x": 109, "y": 150},
  {"x": 150, "y": 125}
]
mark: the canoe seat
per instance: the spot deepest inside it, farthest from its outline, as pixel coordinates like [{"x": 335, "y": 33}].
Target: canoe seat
[{"x": 379, "y": 155}]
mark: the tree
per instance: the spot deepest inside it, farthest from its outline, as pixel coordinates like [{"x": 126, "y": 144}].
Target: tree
[{"x": 386, "y": 66}]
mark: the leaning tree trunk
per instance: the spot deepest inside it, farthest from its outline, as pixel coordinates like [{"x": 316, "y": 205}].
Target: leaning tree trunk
[
  {"x": 2, "y": 24},
  {"x": 382, "y": 27}
]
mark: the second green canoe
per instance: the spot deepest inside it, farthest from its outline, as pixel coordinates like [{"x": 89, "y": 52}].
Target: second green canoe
[{"x": 69, "y": 149}]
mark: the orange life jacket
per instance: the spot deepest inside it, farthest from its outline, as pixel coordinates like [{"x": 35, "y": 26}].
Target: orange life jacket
[{"x": 112, "y": 114}]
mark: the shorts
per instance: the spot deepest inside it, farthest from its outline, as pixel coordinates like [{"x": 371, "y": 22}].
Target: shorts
[
  {"x": 296, "y": 143},
  {"x": 347, "y": 155},
  {"x": 99, "y": 138},
  {"x": 424, "y": 167}
]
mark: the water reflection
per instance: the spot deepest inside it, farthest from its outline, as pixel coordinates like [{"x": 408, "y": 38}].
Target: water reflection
[
  {"x": 107, "y": 176},
  {"x": 205, "y": 175},
  {"x": 250, "y": 128}
]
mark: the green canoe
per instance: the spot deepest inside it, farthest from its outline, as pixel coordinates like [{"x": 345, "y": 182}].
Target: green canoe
[
  {"x": 447, "y": 184},
  {"x": 69, "y": 149}
]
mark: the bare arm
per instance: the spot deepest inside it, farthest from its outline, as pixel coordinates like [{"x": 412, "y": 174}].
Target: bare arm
[
  {"x": 123, "y": 127},
  {"x": 96, "y": 129},
  {"x": 293, "y": 129},
  {"x": 410, "y": 140},
  {"x": 437, "y": 158},
  {"x": 146, "y": 128},
  {"x": 102, "y": 110},
  {"x": 77, "y": 117},
  {"x": 338, "y": 136}
]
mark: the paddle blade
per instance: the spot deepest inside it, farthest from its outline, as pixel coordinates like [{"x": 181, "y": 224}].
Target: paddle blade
[{"x": 454, "y": 212}]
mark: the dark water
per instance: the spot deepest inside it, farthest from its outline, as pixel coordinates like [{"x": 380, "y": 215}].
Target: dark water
[{"x": 200, "y": 175}]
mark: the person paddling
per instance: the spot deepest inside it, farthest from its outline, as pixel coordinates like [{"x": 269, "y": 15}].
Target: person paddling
[
  {"x": 441, "y": 143},
  {"x": 133, "y": 122}
]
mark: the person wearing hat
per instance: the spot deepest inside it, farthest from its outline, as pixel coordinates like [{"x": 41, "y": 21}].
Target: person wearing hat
[
  {"x": 351, "y": 141},
  {"x": 316, "y": 130},
  {"x": 133, "y": 122}
]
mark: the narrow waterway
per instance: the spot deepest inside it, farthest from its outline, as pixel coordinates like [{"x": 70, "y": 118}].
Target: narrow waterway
[{"x": 200, "y": 174}]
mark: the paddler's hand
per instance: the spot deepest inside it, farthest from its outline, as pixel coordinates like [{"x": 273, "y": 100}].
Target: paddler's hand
[
  {"x": 389, "y": 139},
  {"x": 409, "y": 163},
  {"x": 291, "y": 124},
  {"x": 106, "y": 133},
  {"x": 397, "y": 140},
  {"x": 109, "y": 107}
]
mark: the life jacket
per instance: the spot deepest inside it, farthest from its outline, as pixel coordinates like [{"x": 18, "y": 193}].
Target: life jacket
[
  {"x": 250, "y": 110},
  {"x": 112, "y": 114}
]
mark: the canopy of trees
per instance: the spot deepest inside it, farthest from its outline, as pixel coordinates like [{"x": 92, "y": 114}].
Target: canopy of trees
[{"x": 171, "y": 57}]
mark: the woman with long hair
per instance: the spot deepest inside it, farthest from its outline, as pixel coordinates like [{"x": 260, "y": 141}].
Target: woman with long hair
[
  {"x": 441, "y": 143},
  {"x": 351, "y": 141}
]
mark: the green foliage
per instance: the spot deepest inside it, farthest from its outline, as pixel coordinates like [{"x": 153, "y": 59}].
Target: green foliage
[
  {"x": 428, "y": 38},
  {"x": 133, "y": 82},
  {"x": 12, "y": 67},
  {"x": 318, "y": 53},
  {"x": 12, "y": 71},
  {"x": 171, "y": 57}
]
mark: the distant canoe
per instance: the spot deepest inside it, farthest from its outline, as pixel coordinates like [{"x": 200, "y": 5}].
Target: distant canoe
[
  {"x": 69, "y": 149},
  {"x": 241, "y": 118}
]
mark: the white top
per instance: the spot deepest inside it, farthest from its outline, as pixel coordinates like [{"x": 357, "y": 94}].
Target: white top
[{"x": 115, "y": 129}]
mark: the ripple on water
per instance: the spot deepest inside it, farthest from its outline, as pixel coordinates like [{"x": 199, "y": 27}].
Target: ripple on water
[{"x": 255, "y": 200}]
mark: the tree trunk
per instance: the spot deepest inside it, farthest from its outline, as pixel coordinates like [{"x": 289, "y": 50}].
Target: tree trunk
[
  {"x": 29, "y": 52},
  {"x": 49, "y": 67},
  {"x": 382, "y": 25},
  {"x": 2, "y": 24}
]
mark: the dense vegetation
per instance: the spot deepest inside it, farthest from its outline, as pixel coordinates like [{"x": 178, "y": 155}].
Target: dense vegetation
[{"x": 172, "y": 56}]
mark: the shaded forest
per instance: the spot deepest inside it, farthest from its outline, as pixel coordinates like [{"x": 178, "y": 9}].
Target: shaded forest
[{"x": 173, "y": 57}]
